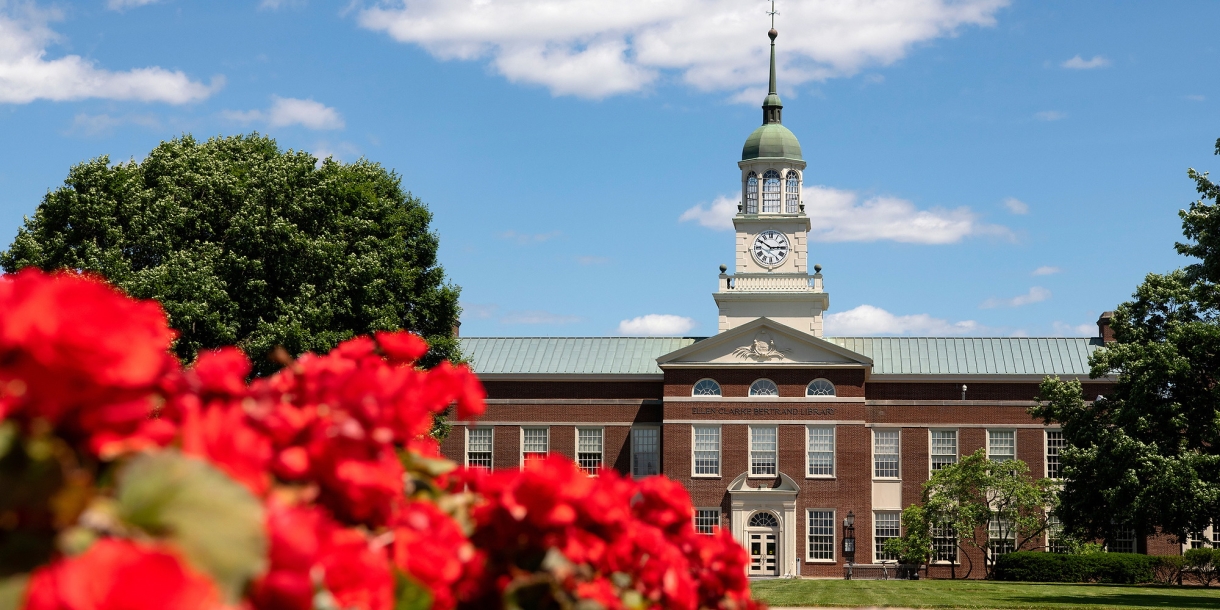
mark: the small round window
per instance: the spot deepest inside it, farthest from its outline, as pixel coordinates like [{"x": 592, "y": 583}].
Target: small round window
[
  {"x": 761, "y": 519},
  {"x": 764, "y": 387},
  {"x": 820, "y": 387},
  {"x": 706, "y": 387}
]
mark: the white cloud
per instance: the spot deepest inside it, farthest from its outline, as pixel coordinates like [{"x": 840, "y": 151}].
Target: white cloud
[
  {"x": 271, "y": 5},
  {"x": 1036, "y": 294},
  {"x": 1075, "y": 330},
  {"x": 480, "y": 311},
  {"x": 537, "y": 316},
  {"x": 529, "y": 238},
  {"x": 839, "y": 216},
  {"x": 656, "y": 325},
  {"x": 285, "y": 111},
  {"x": 1196, "y": 98},
  {"x": 119, "y": 5},
  {"x": 27, "y": 75},
  {"x": 338, "y": 150},
  {"x": 1016, "y": 206},
  {"x": 1046, "y": 270},
  {"x": 1080, "y": 63},
  {"x": 594, "y": 48},
  {"x": 1050, "y": 115},
  {"x": 102, "y": 124},
  {"x": 869, "y": 320},
  {"x": 718, "y": 215}
]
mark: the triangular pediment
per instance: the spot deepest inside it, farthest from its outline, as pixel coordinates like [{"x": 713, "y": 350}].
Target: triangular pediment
[{"x": 765, "y": 341}]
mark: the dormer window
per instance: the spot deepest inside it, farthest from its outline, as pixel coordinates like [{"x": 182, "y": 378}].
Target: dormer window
[
  {"x": 752, "y": 193},
  {"x": 792, "y": 199},
  {"x": 764, "y": 387},
  {"x": 771, "y": 192}
]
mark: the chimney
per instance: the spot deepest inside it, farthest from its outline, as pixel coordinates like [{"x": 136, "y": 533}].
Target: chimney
[
  {"x": 457, "y": 328},
  {"x": 1103, "y": 327}
]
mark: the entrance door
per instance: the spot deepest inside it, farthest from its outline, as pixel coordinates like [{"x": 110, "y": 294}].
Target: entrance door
[{"x": 763, "y": 554}]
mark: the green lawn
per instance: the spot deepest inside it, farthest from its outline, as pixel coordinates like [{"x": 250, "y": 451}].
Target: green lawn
[{"x": 979, "y": 594}]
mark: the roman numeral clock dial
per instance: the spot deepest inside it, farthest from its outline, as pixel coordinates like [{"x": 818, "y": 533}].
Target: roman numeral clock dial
[{"x": 770, "y": 248}]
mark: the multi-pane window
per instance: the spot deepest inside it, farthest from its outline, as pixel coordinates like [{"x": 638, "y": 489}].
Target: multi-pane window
[
  {"x": 944, "y": 543},
  {"x": 944, "y": 448},
  {"x": 707, "y": 520},
  {"x": 764, "y": 387},
  {"x": 820, "y": 387},
  {"x": 821, "y": 535},
  {"x": 478, "y": 447},
  {"x": 1002, "y": 445},
  {"x": 645, "y": 451},
  {"x": 771, "y": 192},
  {"x": 707, "y": 450},
  {"x": 752, "y": 193},
  {"x": 821, "y": 451},
  {"x": 885, "y": 454},
  {"x": 1055, "y": 542},
  {"x": 589, "y": 449},
  {"x": 763, "y": 450},
  {"x": 1122, "y": 540},
  {"x": 792, "y": 193},
  {"x": 1054, "y": 446},
  {"x": 706, "y": 387},
  {"x": 534, "y": 443},
  {"x": 1001, "y": 536},
  {"x": 885, "y": 526}
]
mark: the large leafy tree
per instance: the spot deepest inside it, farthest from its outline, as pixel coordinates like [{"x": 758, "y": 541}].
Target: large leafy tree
[
  {"x": 244, "y": 243},
  {"x": 1147, "y": 454}
]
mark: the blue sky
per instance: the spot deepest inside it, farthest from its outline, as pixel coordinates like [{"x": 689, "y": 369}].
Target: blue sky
[{"x": 976, "y": 167}]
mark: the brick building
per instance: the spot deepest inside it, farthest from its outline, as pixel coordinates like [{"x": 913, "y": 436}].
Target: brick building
[{"x": 778, "y": 432}]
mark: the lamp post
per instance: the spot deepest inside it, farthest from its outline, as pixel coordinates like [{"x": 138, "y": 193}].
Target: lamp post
[{"x": 849, "y": 537}]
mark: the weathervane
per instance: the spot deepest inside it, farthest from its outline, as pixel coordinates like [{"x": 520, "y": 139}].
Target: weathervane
[{"x": 773, "y": 13}]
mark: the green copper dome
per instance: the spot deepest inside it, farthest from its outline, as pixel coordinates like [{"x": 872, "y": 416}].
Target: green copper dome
[{"x": 772, "y": 140}]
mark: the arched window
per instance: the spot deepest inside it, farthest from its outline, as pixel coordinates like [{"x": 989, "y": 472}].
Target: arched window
[
  {"x": 771, "y": 192},
  {"x": 752, "y": 193},
  {"x": 820, "y": 387},
  {"x": 792, "y": 201},
  {"x": 764, "y": 387},
  {"x": 706, "y": 387},
  {"x": 761, "y": 519}
]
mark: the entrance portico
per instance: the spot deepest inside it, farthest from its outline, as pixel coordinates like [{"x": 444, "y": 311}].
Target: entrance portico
[{"x": 763, "y": 520}]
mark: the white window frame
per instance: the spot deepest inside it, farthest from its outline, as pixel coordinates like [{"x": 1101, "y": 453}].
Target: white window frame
[
  {"x": 1208, "y": 538},
  {"x": 1054, "y": 531},
  {"x": 834, "y": 537},
  {"x": 719, "y": 390},
  {"x": 994, "y": 525},
  {"x": 548, "y": 441},
  {"x": 834, "y": 390},
  {"x": 631, "y": 446},
  {"x": 956, "y": 540},
  {"x": 762, "y": 396},
  {"x": 716, "y": 510},
  {"x": 694, "y": 473},
  {"x": 1135, "y": 546},
  {"x": 990, "y": 431},
  {"x": 873, "y": 465},
  {"x": 491, "y": 446},
  {"x": 876, "y": 521},
  {"x": 834, "y": 442},
  {"x": 601, "y": 460},
  {"x": 792, "y": 198},
  {"x": 750, "y": 447},
  {"x": 1046, "y": 453},
  {"x": 957, "y": 447}
]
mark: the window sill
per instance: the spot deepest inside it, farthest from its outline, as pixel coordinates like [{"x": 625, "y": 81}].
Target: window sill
[
  {"x": 888, "y": 479},
  {"x": 763, "y": 476},
  {"x": 705, "y": 476},
  {"x": 821, "y": 477},
  {"x": 821, "y": 561}
]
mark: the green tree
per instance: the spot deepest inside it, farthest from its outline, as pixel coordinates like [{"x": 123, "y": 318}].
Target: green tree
[
  {"x": 247, "y": 244},
  {"x": 1147, "y": 454},
  {"x": 994, "y": 506}
]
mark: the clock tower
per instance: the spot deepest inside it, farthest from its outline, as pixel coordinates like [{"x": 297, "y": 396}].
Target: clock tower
[{"x": 771, "y": 275}]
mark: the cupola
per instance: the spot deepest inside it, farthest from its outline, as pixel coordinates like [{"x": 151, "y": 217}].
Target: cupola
[{"x": 772, "y": 140}]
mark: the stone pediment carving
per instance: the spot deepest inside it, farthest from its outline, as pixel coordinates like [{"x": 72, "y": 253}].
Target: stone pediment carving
[{"x": 764, "y": 342}]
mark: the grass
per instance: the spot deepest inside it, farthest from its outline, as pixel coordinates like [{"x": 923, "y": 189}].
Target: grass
[{"x": 979, "y": 594}]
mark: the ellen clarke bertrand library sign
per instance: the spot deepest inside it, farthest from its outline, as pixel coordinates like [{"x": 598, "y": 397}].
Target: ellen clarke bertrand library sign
[{"x": 762, "y": 411}]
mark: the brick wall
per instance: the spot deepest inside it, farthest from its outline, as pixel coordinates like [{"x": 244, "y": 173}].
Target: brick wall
[{"x": 791, "y": 381}]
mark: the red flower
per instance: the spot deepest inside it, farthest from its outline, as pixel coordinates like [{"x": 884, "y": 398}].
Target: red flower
[
  {"x": 430, "y": 547},
  {"x": 120, "y": 575}
]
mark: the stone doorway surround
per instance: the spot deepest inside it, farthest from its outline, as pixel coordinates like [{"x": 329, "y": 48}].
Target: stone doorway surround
[{"x": 778, "y": 499}]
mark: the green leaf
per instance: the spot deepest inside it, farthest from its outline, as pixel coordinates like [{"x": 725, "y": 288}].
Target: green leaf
[
  {"x": 217, "y": 523},
  {"x": 12, "y": 590},
  {"x": 409, "y": 594}
]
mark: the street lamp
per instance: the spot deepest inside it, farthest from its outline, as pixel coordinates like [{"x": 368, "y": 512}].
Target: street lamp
[{"x": 849, "y": 537}]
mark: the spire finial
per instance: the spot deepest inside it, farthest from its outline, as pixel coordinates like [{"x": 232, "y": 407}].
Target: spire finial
[{"x": 772, "y": 105}]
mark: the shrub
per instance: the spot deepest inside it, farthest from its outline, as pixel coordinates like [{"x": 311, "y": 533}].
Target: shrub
[
  {"x": 1203, "y": 563},
  {"x": 1126, "y": 568},
  {"x": 1168, "y": 569}
]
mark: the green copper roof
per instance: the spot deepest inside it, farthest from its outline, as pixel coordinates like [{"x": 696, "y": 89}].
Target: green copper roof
[
  {"x": 772, "y": 140},
  {"x": 1066, "y": 356}
]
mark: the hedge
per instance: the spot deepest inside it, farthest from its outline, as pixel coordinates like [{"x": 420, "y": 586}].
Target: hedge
[{"x": 1121, "y": 568}]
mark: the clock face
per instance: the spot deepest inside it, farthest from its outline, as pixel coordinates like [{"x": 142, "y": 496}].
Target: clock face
[{"x": 770, "y": 248}]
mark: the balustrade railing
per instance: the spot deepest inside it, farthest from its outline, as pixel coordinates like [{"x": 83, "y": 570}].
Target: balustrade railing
[{"x": 769, "y": 282}]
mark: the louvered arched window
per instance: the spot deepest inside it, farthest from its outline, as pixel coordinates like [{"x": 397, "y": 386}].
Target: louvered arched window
[
  {"x": 752, "y": 193},
  {"x": 771, "y": 192},
  {"x": 792, "y": 194}
]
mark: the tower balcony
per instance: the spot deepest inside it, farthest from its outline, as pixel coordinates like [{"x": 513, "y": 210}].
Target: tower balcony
[{"x": 770, "y": 282}]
